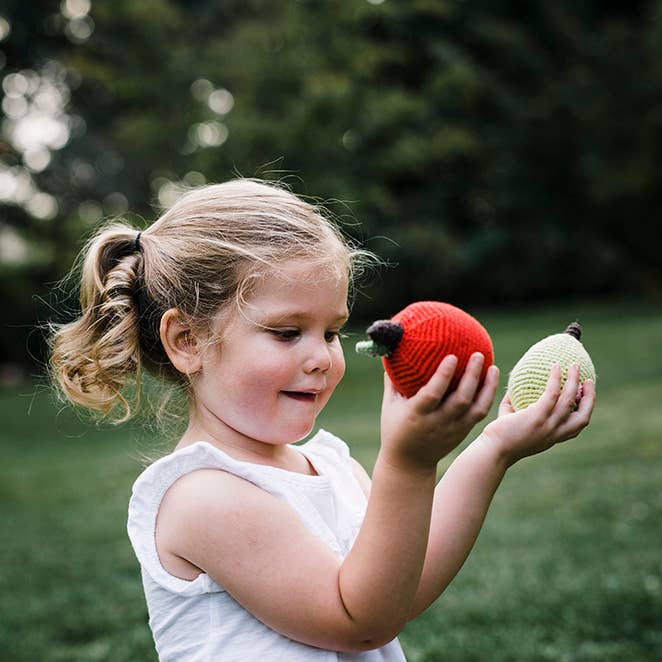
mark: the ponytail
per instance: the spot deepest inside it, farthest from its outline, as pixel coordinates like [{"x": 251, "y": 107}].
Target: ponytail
[{"x": 94, "y": 357}]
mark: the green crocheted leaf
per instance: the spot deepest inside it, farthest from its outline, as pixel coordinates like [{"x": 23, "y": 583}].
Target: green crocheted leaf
[{"x": 371, "y": 348}]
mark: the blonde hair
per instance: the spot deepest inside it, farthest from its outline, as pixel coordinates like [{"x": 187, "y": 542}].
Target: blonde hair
[{"x": 199, "y": 257}]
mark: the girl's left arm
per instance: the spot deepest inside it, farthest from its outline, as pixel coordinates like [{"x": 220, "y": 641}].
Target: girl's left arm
[
  {"x": 461, "y": 501},
  {"x": 457, "y": 517},
  {"x": 464, "y": 493}
]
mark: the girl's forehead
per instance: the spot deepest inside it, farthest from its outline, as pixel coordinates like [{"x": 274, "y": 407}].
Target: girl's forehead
[
  {"x": 299, "y": 289},
  {"x": 302, "y": 276}
]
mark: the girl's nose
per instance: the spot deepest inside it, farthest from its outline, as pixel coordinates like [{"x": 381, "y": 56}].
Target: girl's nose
[{"x": 318, "y": 358}]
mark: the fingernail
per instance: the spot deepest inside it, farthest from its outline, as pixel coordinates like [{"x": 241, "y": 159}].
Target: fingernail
[{"x": 580, "y": 394}]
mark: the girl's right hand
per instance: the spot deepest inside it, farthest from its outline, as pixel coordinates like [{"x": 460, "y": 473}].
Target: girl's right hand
[
  {"x": 418, "y": 431},
  {"x": 555, "y": 417}
]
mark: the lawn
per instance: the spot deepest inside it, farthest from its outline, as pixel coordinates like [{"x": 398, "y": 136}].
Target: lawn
[{"x": 567, "y": 567}]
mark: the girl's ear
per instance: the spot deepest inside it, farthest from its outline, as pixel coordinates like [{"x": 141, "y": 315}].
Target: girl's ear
[{"x": 179, "y": 343}]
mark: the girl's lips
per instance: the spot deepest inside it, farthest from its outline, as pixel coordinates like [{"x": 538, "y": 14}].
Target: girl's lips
[{"x": 304, "y": 396}]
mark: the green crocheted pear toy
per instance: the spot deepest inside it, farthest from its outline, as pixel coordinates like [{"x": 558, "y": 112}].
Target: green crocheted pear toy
[{"x": 529, "y": 377}]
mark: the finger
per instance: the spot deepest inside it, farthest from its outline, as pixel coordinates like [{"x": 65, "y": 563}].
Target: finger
[
  {"x": 550, "y": 396},
  {"x": 567, "y": 400},
  {"x": 466, "y": 390},
  {"x": 430, "y": 395},
  {"x": 389, "y": 389},
  {"x": 585, "y": 406},
  {"x": 506, "y": 406},
  {"x": 486, "y": 395},
  {"x": 580, "y": 418}
]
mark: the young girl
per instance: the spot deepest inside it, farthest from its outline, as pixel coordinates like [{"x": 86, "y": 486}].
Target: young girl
[{"x": 252, "y": 548}]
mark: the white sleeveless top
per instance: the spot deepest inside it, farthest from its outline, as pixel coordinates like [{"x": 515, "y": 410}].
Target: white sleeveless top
[{"x": 198, "y": 620}]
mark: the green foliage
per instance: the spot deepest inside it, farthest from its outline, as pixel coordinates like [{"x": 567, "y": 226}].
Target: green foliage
[
  {"x": 567, "y": 566},
  {"x": 496, "y": 151}
]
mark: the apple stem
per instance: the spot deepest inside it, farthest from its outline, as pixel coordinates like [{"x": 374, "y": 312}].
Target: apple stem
[{"x": 386, "y": 333}]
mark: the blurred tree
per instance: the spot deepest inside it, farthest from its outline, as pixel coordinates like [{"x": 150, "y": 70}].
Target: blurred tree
[{"x": 504, "y": 151}]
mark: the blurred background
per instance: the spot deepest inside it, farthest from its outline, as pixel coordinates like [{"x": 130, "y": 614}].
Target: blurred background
[
  {"x": 502, "y": 155},
  {"x": 498, "y": 152}
]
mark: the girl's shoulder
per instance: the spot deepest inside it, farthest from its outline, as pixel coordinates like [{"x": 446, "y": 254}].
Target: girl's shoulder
[
  {"x": 181, "y": 493},
  {"x": 147, "y": 497},
  {"x": 157, "y": 477}
]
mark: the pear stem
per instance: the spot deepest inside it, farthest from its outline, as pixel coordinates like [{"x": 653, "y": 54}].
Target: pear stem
[{"x": 575, "y": 330}]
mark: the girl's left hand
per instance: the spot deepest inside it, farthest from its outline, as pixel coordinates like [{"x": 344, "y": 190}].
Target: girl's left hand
[{"x": 554, "y": 418}]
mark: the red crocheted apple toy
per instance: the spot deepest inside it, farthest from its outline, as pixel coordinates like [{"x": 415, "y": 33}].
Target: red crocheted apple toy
[{"x": 413, "y": 343}]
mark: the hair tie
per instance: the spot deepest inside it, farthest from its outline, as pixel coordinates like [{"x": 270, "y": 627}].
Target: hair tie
[{"x": 136, "y": 243}]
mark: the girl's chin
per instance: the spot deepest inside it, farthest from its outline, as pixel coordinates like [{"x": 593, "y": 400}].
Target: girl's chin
[
  {"x": 279, "y": 436},
  {"x": 301, "y": 434}
]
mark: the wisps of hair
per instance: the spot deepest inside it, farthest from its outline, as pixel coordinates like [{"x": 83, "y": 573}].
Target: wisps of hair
[{"x": 94, "y": 357}]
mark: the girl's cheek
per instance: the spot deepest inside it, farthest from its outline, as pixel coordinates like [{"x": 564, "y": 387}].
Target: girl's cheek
[
  {"x": 341, "y": 357},
  {"x": 339, "y": 365}
]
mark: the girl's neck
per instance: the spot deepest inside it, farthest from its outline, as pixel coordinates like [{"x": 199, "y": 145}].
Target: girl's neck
[{"x": 248, "y": 450}]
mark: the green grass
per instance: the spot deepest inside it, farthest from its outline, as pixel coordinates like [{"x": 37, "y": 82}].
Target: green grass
[{"x": 567, "y": 567}]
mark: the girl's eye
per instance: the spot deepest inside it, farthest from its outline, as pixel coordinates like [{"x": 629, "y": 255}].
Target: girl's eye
[
  {"x": 330, "y": 336},
  {"x": 292, "y": 334},
  {"x": 286, "y": 334}
]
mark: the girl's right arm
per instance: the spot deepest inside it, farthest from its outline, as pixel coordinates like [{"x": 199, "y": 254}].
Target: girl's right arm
[{"x": 256, "y": 547}]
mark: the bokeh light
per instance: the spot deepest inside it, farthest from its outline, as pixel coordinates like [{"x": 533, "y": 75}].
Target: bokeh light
[
  {"x": 220, "y": 101},
  {"x": 36, "y": 124},
  {"x": 79, "y": 26},
  {"x": 5, "y": 28},
  {"x": 75, "y": 9}
]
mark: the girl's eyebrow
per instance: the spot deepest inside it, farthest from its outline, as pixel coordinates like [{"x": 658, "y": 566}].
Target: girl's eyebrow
[{"x": 278, "y": 317}]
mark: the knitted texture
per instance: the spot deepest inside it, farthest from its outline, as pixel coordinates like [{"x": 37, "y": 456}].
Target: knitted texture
[
  {"x": 529, "y": 377},
  {"x": 431, "y": 331}
]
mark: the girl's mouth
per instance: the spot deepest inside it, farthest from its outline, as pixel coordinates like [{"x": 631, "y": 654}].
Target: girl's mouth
[{"x": 303, "y": 396}]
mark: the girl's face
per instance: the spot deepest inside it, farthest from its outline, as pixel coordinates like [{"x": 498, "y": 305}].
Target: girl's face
[{"x": 278, "y": 361}]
